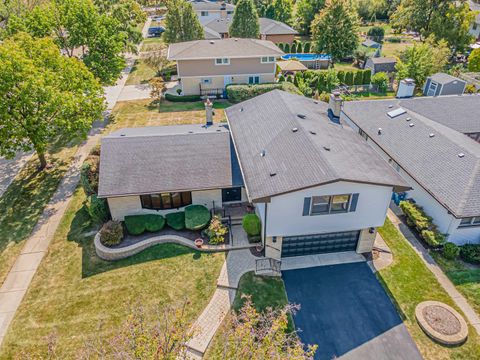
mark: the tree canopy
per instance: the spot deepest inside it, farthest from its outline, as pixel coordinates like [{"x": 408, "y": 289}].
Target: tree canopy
[
  {"x": 335, "y": 29},
  {"x": 474, "y": 61},
  {"x": 283, "y": 11},
  {"x": 305, "y": 11},
  {"x": 181, "y": 22},
  {"x": 45, "y": 96},
  {"x": 245, "y": 22}
]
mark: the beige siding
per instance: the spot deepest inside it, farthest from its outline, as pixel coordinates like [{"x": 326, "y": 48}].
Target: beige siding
[
  {"x": 191, "y": 85},
  {"x": 131, "y": 205},
  {"x": 285, "y": 38},
  {"x": 365, "y": 243},
  {"x": 207, "y": 67}
]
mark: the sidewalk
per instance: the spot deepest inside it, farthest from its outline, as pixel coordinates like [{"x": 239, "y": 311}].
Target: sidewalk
[{"x": 444, "y": 281}]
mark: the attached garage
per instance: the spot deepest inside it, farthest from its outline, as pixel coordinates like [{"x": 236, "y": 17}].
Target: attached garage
[{"x": 320, "y": 243}]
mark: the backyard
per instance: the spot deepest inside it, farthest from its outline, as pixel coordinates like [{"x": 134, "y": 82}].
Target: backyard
[{"x": 78, "y": 297}]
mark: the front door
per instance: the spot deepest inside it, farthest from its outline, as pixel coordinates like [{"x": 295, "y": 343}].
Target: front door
[{"x": 232, "y": 194}]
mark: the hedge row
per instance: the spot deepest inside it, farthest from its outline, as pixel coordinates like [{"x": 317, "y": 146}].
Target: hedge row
[
  {"x": 196, "y": 217},
  {"x": 184, "y": 98},
  {"x": 238, "y": 93},
  {"x": 138, "y": 224},
  {"x": 423, "y": 223},
  {"x": 298, "y": 47},
  {"x": 470, "y": 253}
]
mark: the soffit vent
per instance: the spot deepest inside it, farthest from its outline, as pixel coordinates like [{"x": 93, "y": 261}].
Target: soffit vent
[
  {"x": 397, "y": 112},
  {"x": 461, "y": 155}
]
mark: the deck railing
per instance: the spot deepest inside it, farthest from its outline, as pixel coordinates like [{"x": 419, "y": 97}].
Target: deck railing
[{"x": 268, "y": 266}]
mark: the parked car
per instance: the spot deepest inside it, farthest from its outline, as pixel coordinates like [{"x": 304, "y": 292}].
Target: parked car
[
  {"x": 156, "y": 31},
  {"x": 158, "y": 17}
]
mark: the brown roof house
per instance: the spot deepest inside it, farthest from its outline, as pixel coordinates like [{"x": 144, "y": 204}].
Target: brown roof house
[{"x": 206, "y": 67}]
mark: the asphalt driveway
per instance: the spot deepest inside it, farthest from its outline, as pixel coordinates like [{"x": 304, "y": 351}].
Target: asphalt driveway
[{"x": 346, "y": 312}]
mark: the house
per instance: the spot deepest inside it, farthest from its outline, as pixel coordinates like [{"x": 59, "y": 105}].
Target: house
[
  {"x": 369, "y": 43},
  {"x": 475, "y": 27},
  {"x": 205, "y": 67},
  {"x": 443, "y": 84},
  {"x": 209, "y": 10},
  {"x": 316, "y": 185},
  {"x": 271, "y": 30},
  {"x": 291, "y": 67},
  {"x": 381, "y": 64},
  {"x": 418, "y": 137},
  {"x": 162, "y": 169}
]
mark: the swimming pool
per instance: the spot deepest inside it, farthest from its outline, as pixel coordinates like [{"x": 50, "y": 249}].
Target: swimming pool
[{"x": 307, "y": 57}]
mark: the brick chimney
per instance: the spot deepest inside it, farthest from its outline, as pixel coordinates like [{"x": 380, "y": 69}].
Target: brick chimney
[
  {"x": 209, "y": 112},
  {"x": 335, "y": 103}
]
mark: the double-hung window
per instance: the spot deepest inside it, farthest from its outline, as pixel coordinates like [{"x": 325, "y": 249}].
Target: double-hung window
[
  {"x": 330, "y": 204},
  {"x": 320, "y": 205},
  {"x": 267, "y": 59},
  {"x": 222, "y": 61},
  {"x": 164, "y": 201},
  {"x": 254, "y": 79},
  {"x": 204, "y": 13},
  {"x": 470, "y": 221}
]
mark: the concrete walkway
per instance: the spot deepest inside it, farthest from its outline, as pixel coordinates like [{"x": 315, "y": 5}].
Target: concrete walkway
[
  {"x": 238, "y": 262},
  {"x": 9, "y": 169},
  {"x": 444, "y": 281},
  {"x": 135, "y": 92}
]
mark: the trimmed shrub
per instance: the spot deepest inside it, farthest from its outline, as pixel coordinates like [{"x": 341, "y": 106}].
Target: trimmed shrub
[
  {"x": 98, "y": 209},
  {"x": 358, "y": 78},
  {"x": 185, "y": 98},
  {"x": 286, "y": 48},
  {"x": 111, "y": 233},
  {"x": 281, "y": 78},
  {"x": 341, "y": 76},
  {"x": 322, "y": 81},
  {"x": 394, "y": 40},
  {"x": 176, "y": 220},
  {"x": 381, "y": 80},
  {"x": 252, "y": 225},
  {"x": 290, "y": 78},
  {"x": 238, "y": 93},
  {"x": 281, "y": 46},
  {"x": 349, "y": 78},
  {"x": 306, "y": 47},
  {"x": 153, "y": 223},
  {"x": 451, "y": 251},
  {"x": 433, "y": 238},
  {"x": 416, "y": 214},
  {"x": 293, "y": 48},
  {"x": 89, "y": 174},
  {"x": 196, "y": 217},
  {"x": 470, "y": 253},
  {"x": 376, "y": 33},
  {"x": 367, "y": 76},
  {"x": 135, "y": 224}
]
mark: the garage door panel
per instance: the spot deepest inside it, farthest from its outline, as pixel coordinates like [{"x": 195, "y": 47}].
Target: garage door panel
[{"x": 319, "y": 243}]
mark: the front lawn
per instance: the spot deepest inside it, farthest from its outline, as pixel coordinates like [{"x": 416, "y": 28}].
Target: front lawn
[
  {"x": 409, "y": 282},
  {"x": 77, "y": 296},
  {"x": 466, "y": 280},
  {"x": 152, "y": 44},
  {"x": 141, "y": 73},
  {"x": 144, "y": 112}
]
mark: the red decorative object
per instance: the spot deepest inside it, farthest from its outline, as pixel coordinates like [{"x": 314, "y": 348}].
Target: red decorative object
[{"x": 199, "y": 243}]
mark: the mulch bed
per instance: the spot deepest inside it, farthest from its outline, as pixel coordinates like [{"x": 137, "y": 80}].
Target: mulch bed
[{"x": 441, "y": 320}]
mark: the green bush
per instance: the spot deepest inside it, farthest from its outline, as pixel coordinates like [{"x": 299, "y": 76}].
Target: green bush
[
  {"x": 358, "y": 78},
  {"x": 349, "y": 78},
  {"x": 416, "y": 214},
  {"x": 111, "y": 233},
  {"x": 293, "y": 48},
  {"x": 135, "y": 224},
  {"x": 306, "y": 47},
  {"x": 196, "y": 217},
  {"x": 470, "y": 253},
  {"x": 89, "y": 174},
  {"x": 341, "y": 76},
  {"x": 176, "y": 220},
  {"x": 185, "y": 98},
  {"x": 97, "y": 209},
  {"x": 216, "y": 231},
  {"x": 153, "y": 223},
  {"x": 433, "y": 238},
  {"x": 394, "y": 39},
  {"x": 286, "y": 48},
  {"x": 451, "y": 251},
  {"x": 252, "y": 225},
  {"x": 376, "y": 33},
  {"x": 367, "y": 76},
  {"x": 238, "y": 93},
  {"x": 381, "y": 80}
]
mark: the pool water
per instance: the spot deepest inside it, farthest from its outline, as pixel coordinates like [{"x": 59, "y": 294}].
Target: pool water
[{"x": 307, "y": 57}]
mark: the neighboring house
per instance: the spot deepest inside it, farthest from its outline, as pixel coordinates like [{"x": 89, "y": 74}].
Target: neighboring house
[
  {"x": 291, "y": 67},
  {"x": 381, "y": 64},
  {"x": 417, "y": 137},
  {"x": 162, "y": 169},
  {"x": 369, "y": 43},
  {"x": 205, "y": 67},
  {"x": 315, "y": 184},
  {"x": 271, "y": 30},
  {"x": 475, "y": 27},
  {"x": 443, "y": 84},
  {"x": 210, "y": 10}
]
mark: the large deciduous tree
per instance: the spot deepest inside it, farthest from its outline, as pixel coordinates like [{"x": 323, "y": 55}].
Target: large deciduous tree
[
  {"x": 305, "y": 11},
  {"x": 446, "y": 19},
  {"x": 283, "y": 11},
  {"x": 181, "y": 22},
  {"x": 245, "y": 22},
  {"x": 335, "y": 29},
  {"x": 45, "y": 96}
]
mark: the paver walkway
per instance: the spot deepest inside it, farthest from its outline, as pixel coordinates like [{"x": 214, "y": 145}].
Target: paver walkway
[
  {"x": 458, "y": 298},
  {"x": 238, "y": 262},
  {"x": 21, "y": 274}
]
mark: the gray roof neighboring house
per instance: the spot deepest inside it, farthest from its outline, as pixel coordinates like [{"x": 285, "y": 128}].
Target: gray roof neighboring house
[
  {"x": 267, "y": 27},
  {"x": 371, "y": 44},
  {"x": 212, "y": 6},
  {"x": 151, "y": 160},
  {"x": 382, "y": 64},
  {"x": 230, "y": 48},
  {"x": 445, "y": 162},
  {"x": 287, "y": 142},
  {"x": 443, "y": 78}
]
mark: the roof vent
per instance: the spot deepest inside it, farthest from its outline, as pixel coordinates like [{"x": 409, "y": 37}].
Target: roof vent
[
  {"x": 408, "y": 118},
  {"x": 302, "y": 116},
  {"x": 122, "y": 134},
  {"x": 273, "y": 173},
  {"x": 315, "y": 101},
  {"x": 212, "y": 42},
  {"x": 411, "y": 124},
  {"x": 431, "y": 135},
  {"x": 263, "y": 153},
  {"x": 294, "y": 129},
  {"x": 241, "y": 109},
  {"x": 379, "y": 131},
  {"x": 390, "y": 106},
  {"x": 461, "y": 155},
  {"x": 327, "y": 148},
  {"x": 190, "y": 132},
  {"x": 313, "y": 132},
  {"x": 397, "y": 112},
  {"x": 218, "y": 130}
]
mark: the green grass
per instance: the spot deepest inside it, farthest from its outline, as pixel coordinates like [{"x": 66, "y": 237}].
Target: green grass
[
  {"x": 78, "y": 296},
  {"x": 152, "y": 44},
  {"x": 169, "y": 106},
  {"x": 24, "y": 200},
  {"x": 409, "y": 282},
  {"x": 345, "y": 66},
  {"x": 466, "y": 280},
  {"x": 141, "y": 73},
  {"x": 364, "y": 28}
]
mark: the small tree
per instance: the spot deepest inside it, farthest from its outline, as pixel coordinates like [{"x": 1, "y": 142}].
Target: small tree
[
  {"x": 349, "y": 78},
  {"x": 97, "y": 209},
  {"x": 376, "y": 33},
  {"x": 306, "y": 47},
  {"x": 331, "y": 80},
  {"x": 358, "y": 78},
  {"x": 245, "y": 23},
  {"x": 181, "y": 22},
  {"x": 293, "y": 48},
  {"x": 158, "y": 86},
  {"x": 381, "y": 80},
  {"x": 321, "y": 81},
  {"x": 286, "y": 49},
  {"x": 474, "y": 61},
  {"x": 367, "y": 76},
  {"x": 341, "y": 76}
]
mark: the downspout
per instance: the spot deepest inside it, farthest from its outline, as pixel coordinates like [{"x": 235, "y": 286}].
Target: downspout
[{"x": 265, "y": 227}]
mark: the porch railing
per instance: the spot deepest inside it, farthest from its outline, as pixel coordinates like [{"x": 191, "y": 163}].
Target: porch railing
[{"x": 268, "y": 266}]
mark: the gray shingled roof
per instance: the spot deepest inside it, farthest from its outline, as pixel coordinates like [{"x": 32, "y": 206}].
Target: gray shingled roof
[
  {"x": 165, "y": 159},
  {"x": 443, "y": 78},
  {"x": 212, "y": 6},
  {"x": 433, "y": 162},
  {"x": 370, "y": 43},
  {"x": 384, "y": 60},
  {"x": 319, "y": 152},
  {"x": 267, "y": 27},
  {"x": 461, "y": 113},
  {"x": 233, "y": 47}
]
